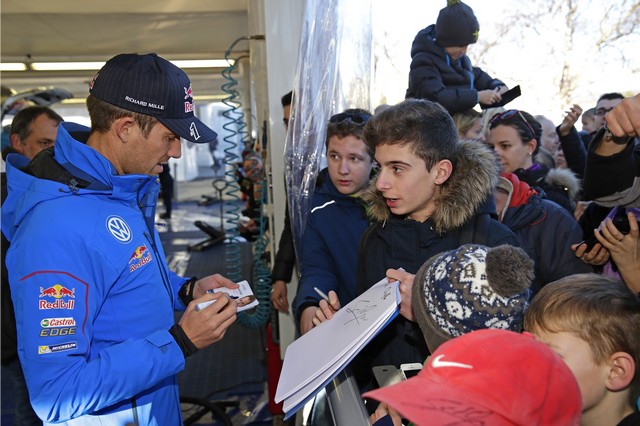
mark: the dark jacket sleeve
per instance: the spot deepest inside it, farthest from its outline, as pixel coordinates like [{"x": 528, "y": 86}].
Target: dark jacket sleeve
[
  {"x": 613, "y": 180},
  {"x": 427, "y": 82},
  {"x": 499, "y": 234},
  {"x": 9, "y": 334},
  {"x": 574, "y": 151},
  {"x": 286, "y": 256},
  {"x": 425, "y": 79},
  {"x": 316, "y": 269},
  {"x": 483, "y": 81},
  {"x": 555, "y": 258}
]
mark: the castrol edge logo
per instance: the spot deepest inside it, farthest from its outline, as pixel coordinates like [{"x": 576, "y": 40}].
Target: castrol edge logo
[{"x": 58, "y": 322}]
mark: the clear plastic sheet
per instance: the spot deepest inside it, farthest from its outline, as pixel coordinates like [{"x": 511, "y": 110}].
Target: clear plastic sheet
[{"x": 334, "y": 72}]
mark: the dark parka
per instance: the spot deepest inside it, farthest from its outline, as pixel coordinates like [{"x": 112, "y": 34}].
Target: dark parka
[
  {"x": 464, "y": 202},
  {"x": 546, "y": 232},
  {"x": 435, "y": 76}
]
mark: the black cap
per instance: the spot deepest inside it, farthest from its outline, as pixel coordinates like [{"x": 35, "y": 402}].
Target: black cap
[
  {"x": 456, "y": 25},
  {"x": 151, "y": 85}
]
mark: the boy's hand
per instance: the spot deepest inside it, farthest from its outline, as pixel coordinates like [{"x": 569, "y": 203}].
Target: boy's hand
[
  {"x": 315, "y": 315},
  {"x": 489, "y": 97},
  {"x": 327, "y": 309},
  {"x": 406, "y": 283}
]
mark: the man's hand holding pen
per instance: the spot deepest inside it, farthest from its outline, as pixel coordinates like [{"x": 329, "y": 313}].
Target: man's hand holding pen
[{"x": 209, "y": 325}]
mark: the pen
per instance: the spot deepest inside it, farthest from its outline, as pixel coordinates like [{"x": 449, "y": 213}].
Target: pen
[
  {"x": 322, "y": 294},
  {"x": 201, "y": 306}
]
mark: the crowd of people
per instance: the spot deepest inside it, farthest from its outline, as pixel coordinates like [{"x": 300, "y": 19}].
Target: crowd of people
[
  {"x": 454, "y": 186},
  {"x": 495, "y": 219}
]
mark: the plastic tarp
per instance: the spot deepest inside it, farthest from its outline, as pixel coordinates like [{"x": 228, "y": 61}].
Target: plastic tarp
[{"x": 334, "y": 73}]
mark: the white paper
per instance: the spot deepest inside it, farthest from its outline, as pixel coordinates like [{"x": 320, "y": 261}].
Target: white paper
[
  {"x": 243, "y": 296},
  {"x": 315, "y": 358}
]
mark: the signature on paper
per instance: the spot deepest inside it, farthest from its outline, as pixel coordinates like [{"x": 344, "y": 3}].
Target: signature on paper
[
  {"x": 387, "y": 291},
  {"x": 359, "y": 311}
]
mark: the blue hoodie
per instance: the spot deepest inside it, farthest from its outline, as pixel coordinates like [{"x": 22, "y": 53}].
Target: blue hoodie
[{"x": 93, "y": 295}]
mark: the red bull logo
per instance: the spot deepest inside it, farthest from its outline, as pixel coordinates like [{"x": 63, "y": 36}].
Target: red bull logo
[
  {"x": 58, "y": 304},
  {"x": 57, "y": 291},
  {"x": 188, "y": 93},
  {"x": 140, "y": 257},
  {"x": 138, "y": 253}
]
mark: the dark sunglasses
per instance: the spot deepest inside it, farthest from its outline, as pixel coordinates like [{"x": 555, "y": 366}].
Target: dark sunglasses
[
  {"x": 510, "y": 115},
  {"x": 344, "y": 116}
]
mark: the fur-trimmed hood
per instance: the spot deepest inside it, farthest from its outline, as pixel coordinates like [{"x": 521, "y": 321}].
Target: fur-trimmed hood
[
  {"x": 475, "y": 173},
  {"x": 564, "y": 178}
]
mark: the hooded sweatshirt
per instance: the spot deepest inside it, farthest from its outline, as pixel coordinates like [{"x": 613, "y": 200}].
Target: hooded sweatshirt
[{"x": 93, "y": 296}]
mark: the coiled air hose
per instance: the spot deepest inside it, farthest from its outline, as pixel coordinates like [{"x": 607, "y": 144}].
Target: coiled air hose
[{"x": 235, "y": 125}]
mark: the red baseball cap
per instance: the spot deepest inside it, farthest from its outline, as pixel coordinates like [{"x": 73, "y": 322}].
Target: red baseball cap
[{"x": 488, "y": 377}]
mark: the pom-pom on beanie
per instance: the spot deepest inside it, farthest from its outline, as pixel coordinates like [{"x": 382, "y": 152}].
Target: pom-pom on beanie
[{"x": 471, "y": 288}]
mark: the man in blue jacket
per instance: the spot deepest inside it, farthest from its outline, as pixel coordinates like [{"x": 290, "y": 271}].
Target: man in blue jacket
[{"x": 93, "y": 295}]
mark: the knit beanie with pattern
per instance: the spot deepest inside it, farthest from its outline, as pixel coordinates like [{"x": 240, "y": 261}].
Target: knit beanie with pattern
[{"x": 471, "y": 288}]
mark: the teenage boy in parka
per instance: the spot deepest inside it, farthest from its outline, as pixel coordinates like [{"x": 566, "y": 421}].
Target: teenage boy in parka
[{"x": 432, "y": 194}]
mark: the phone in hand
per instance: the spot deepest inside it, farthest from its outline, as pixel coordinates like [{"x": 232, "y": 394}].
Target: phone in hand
[
  {"x": 506, "y": 97},
  {"x": 620, "y": 221},
  {"x": 590, "y": 241}
]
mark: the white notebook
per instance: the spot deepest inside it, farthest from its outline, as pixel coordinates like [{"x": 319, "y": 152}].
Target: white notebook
[{"x": 315, "y": 358}]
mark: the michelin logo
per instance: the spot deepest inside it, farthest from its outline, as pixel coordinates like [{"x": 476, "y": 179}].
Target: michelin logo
[{"x": 49, "y": 349}]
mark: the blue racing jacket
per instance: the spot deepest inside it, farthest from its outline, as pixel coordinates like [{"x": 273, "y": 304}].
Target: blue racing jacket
[{"x": 93, "y": 295}]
